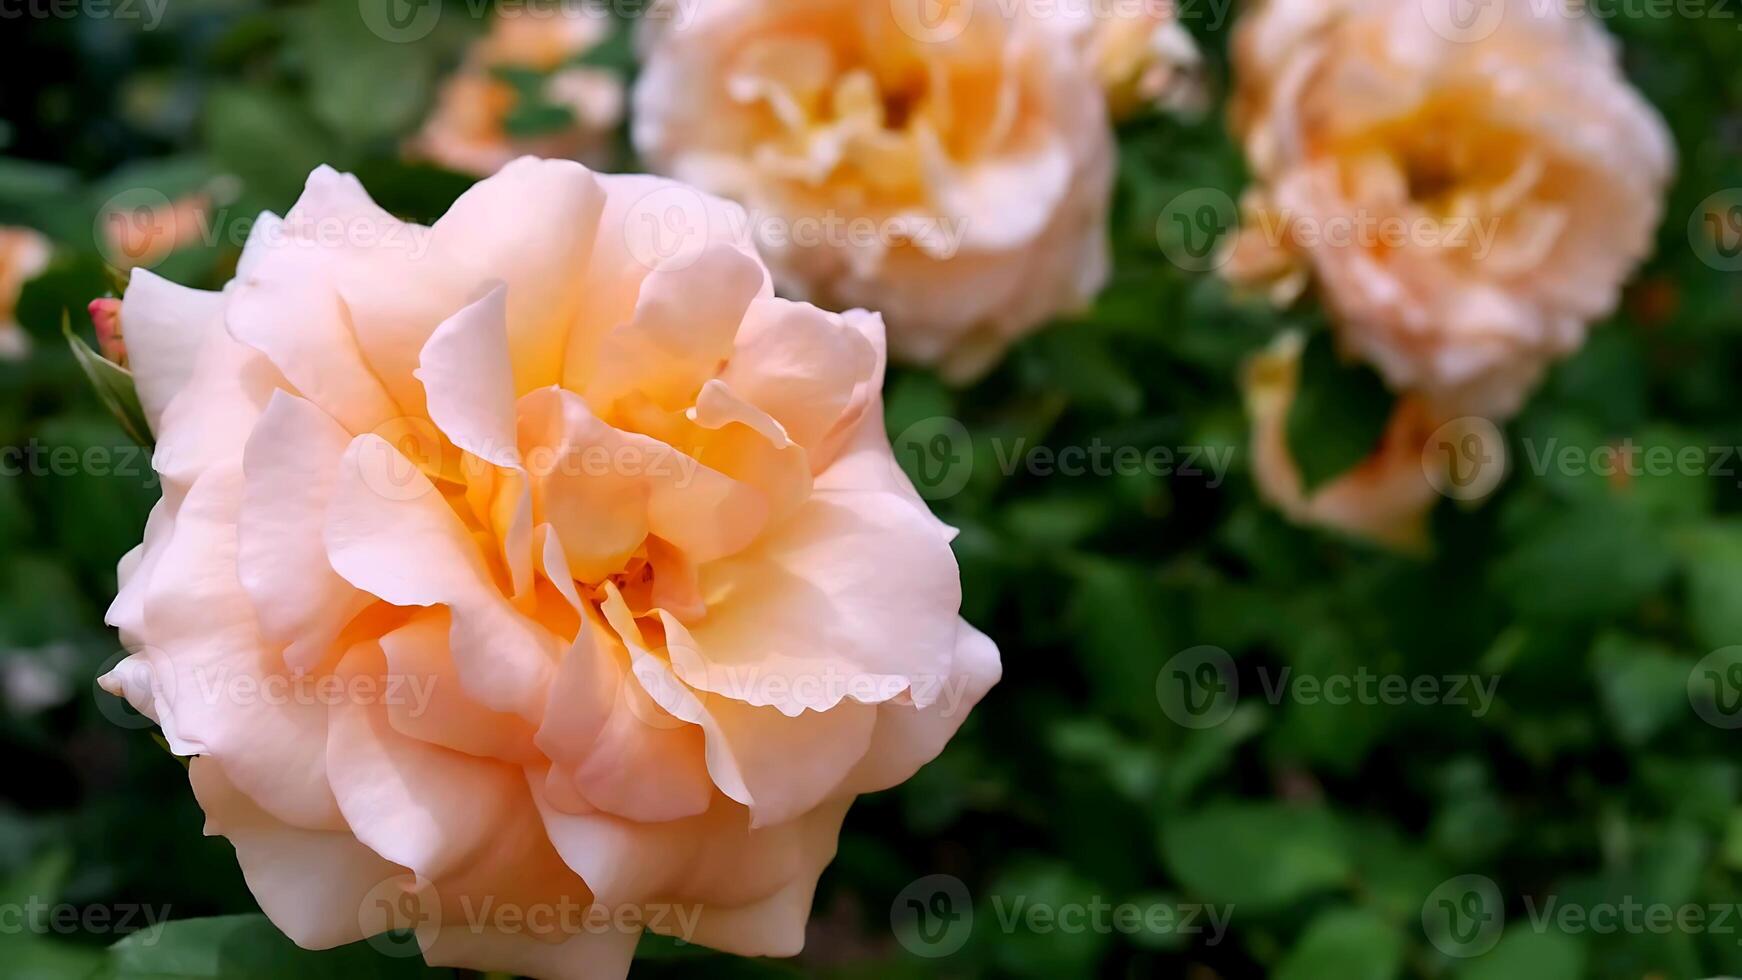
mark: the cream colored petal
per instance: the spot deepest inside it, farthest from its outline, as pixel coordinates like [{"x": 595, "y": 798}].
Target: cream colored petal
[
  {"x": 610, "y": 742},
  {"x": 908, "y": 737},
  {"x": 855, "y": 597},
  {"x": 532, "y": 226},
  {"x": 226, "y": 693},
  {"x": 426, "y": 701},
  {"x": 312, "y": 884},
  {"x": 585, "y": 955},
  {"x": 418, "y": 805},
  {"x": 389, "y": 533},
  {"x": 681, "y": 332},
  {"x": 800, "y": 365},
  {"x": 284, "y": 301},
  {"x": 468, "y": 377},
  {"x": 166, "y": 325},
  {"x": 290, "y": 466}
]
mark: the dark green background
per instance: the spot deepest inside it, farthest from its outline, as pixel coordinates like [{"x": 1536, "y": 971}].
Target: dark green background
[{"x": 1589, "y": 601}]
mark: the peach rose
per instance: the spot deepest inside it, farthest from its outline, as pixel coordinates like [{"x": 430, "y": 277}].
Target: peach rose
[
  {"x": 468, "y": 132},
  {"x": 503, "y": 569},
  {"x": 1387, "y": 496},
  {"x": 1141, "y": 54},
  {"x": 1469, "y": 196},
  {"x": 139, "y": 235},
  {"x": 23, "y": 254},
  {"x": 951, "y": 171}
]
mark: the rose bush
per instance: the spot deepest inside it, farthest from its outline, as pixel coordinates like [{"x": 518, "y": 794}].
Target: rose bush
[
  {"x": 632, "y": 526},
  {"x": 954, "y": 176},
  {"x": 473, "y": 128},
  {"x": 1467, "y": 201},
  {"x": 23, "y": 254}
]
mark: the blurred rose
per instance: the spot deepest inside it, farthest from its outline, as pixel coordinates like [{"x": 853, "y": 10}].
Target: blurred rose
[
  {"x": 1140, "y": 53},
  {"x": 470, "y": 129},
  {"x": 1385, "y": 498},
  {"x": 503, "y": 565},
  {"x": 1467, "y": 199},
  {"x": 140, "y": 235},
  {"x": 952, "y": 172},
  {"x": 23, "y": 254}
]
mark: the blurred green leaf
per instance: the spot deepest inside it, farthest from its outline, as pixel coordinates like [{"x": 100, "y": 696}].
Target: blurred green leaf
[
  {"x": 1525, "y": 953},
  {"x": 1644, "y": 686},
  {"x": 1259, "y": 857},
  {"x": 1339, "y": 413},
  {"x": 247, "y": 946},
  {"x": 1345, "y": 944}
]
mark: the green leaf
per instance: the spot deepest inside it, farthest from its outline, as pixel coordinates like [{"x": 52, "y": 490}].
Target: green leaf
[
  {"x": 533, "y": 118},
  {"x": 1258, "y": 856},
  {"x": 1523, "y": 952},
  {"x": 1345, "y": 944},
  {"x": 1643, "y": 685},
  {"x": 360, "y": 87},
  {"x": 248, "y": 946},
  {"x": 1589, "y": 561},
  {"x": 114, "y": 387},
  {"x": 1714, "y": 584},
  {"x": 1339, "y": 413},
  {"x": 1031, "y": 907},
  {"x": 269, "y": 140}
]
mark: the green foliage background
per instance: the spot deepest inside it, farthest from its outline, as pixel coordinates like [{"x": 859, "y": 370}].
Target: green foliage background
[{"x": 1588, "y": 600}]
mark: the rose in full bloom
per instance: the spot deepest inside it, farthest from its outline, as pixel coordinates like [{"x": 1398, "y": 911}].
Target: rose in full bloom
[
  {"x": 952, "y": 172},
  {"x": 502, "y": 565},
  {"x": 23, "y": 254},
  {"x": 471, "y": 129},
  {"x": 1467, "y": 200}
]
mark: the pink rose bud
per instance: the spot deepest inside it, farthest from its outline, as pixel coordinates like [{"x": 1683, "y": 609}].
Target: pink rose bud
[{"x": 106, "y": 315}]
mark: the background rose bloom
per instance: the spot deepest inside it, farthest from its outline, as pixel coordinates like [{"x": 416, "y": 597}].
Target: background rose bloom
[
  {"x": 1385, "y": 498},
  {"x": 23, "y": 254},
  {"x": 470, "y": 129},
  {"x": 631, "y": 527},
  {"x": 951, "y": 172},
  {"x": 1468, "y": 201},
  {"x": 139, "y": 237},
  {"x": 1141, "y": 54}
]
